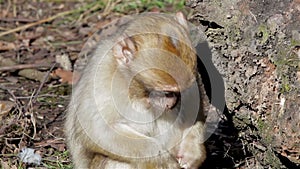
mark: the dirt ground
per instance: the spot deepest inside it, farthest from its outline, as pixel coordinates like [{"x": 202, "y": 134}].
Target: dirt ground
[{"x": 39, "y": 45}]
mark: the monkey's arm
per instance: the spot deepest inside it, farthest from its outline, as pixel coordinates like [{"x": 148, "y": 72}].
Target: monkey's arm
[
  {"x": 128, "y": 131},
  {"x": 191, "y": 151}
]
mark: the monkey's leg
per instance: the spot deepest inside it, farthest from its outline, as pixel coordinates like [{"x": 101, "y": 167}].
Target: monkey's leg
[
  {"x": 81, "y": 158},
  {"x": 101, "y": 162}
]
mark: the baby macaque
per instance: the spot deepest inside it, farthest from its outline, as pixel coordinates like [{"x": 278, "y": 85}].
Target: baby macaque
[{"x": 137, "y": 101}]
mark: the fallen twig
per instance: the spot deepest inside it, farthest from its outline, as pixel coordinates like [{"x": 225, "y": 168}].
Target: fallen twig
[
  {"x": 109, "y": 7},
  {"x": 17, "y": 20},
  {"x": 44, "y": 20},
  {"x": 34, "y": 97},
  {"x": 42, "y": 83},
  {"x": 23, "y": 66},
  {"x": 36, "y": 23}
]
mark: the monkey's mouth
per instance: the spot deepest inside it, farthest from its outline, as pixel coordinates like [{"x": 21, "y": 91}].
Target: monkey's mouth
[{"x": 164, "y": 99}]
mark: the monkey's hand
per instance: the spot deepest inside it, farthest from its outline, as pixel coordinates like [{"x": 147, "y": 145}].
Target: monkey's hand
[{"x": 191, "y": 153}]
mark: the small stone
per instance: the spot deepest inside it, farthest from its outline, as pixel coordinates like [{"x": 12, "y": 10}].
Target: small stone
[{"x": 228, "y": 16}]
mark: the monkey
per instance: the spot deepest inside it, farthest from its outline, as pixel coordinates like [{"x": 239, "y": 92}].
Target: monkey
[{"x": 136, "y": 102}]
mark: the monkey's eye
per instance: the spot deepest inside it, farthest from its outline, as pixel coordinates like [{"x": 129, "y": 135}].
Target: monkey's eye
[
  {"x": 170, "y": 94},
  {"x": 163, "y": 94}
]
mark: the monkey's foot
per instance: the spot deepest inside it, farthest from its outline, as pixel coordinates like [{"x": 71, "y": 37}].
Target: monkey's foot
[{"x": 185, "y": 162}]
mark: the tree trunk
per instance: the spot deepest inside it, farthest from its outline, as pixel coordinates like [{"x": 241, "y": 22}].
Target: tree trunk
[{"x": 255, "y": 46}]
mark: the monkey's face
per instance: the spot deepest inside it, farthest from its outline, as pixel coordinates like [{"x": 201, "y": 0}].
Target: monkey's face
[
  {"x": 160, "y": 64},
  {"x": 161, "y": 70},
  {"x": 162, "y": 89},
  {"x": 163, "y": 76}
]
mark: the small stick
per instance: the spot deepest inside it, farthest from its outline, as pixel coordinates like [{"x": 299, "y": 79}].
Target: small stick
[
  {"x": 17, "y": 20},
  {"x": 44, "y": 81},
  {"x": 45, "y": 20},
  {"x": 39, "y": 22},
  {"x": 34, "y": 97},
  {"x": 23, "y": 66}
]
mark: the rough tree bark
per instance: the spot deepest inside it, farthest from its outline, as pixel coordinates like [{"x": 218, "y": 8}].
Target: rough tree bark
[{"x": 255, "y": 46}]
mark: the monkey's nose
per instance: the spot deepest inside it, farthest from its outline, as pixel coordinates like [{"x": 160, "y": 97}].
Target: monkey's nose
[{"x": 163, "y": 99}]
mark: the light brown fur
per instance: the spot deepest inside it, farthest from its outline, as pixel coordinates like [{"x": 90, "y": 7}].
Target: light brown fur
[{"x": 116, "y": 120}]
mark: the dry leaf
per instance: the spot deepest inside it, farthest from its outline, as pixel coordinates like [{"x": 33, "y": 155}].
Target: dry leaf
[
  {"x": 7, "y": 46},
  {"x": 66, "y": 76},
  {"x": 5, "y": 107},
  {"x": 33, "y": 74}
]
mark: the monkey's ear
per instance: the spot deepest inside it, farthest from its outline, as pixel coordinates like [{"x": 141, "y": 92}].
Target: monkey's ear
[
  {"x": 124, "y": 50},
  {"x": 181, "y": 19}
]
